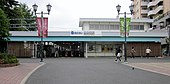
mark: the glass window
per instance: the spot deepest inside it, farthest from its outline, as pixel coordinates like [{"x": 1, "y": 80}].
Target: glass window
[
  {"x": 91, "y": 48},
  {"x": 98, "y": 48},
  {"x": 107, "y": 48},
  {"x": 96, "y": 27},
  {"x": 92, "y": 27},
  {"x": 141, "y": 27},
  {"x": 116, "y": 27},
  {"x": 102, "y": 27},
  {"x": 111, "y": 27},
  {"x": 106, "y": 27},
  {"x": 131, "y": 27},
  {"x": 136, "y": 27}
]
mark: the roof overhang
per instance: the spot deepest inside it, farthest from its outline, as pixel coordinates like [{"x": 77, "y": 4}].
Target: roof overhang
[{"x": 82, "y": 20}]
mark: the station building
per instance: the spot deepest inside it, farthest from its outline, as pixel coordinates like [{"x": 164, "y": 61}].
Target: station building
[{"x": 99, "y": 37}]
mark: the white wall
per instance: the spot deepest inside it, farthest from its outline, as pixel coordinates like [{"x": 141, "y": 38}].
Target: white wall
[{"x": 85, "y": 26}]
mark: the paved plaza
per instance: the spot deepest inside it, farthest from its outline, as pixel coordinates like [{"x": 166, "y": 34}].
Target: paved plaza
[
  {"x": 17, "y": 74},
  {"x": 88, "y": 71}
]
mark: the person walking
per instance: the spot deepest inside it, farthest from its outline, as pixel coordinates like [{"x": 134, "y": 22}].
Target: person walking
[
  {"x": 118, "y": 54},
  {"x": 148, "y": 51},
  {"x": 133, "y": 52}
]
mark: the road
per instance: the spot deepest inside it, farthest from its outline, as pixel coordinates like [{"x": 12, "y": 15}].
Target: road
[{"x": 93, "y": 71}]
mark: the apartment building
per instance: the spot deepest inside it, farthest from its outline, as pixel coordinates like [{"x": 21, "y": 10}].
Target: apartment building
[
  {"x": 150, "y": 8},
  {"x": 140, "y": 9},
  {"x": 158, "y": 10}
]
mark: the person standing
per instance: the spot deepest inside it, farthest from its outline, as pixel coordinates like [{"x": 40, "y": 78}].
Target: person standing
[
  {"x": 118, "y": 54},
  {"x": 56, "y": 53},
  {"x": 45, "y": 53},
  {"x": 148, "y": 51},
  {"x": 133, "y": 52}
]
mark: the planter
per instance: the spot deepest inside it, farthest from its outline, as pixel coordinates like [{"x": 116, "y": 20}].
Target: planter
[
  {"x": 1, "y": 61},
  {"x": 9, "y": 65}
]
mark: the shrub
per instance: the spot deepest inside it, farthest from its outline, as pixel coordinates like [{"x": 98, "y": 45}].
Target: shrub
[{"x": 8, "y": 59}]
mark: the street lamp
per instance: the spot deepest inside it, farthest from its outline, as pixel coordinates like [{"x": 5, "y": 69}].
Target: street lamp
[
  {"x": 125, "y": 42},
  {"x": 41, "y": 35},
  {"x": 168, "y": 40}
]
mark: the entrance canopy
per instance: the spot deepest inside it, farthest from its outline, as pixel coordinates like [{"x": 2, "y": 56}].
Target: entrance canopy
[{"x": 87, "y": 36}]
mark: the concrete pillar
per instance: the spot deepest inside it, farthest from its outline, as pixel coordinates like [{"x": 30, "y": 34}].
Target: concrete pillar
[{"x": 86, "y": 51}]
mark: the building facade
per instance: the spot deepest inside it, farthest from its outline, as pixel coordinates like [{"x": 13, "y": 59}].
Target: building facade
[
  {"x": 139, "y": 28},
  {"x": 99, "y": 37},
  {"x": 140, "y": 9},
  {"x": 158, "y": 10},
  {"x": 151, "y": 9}
]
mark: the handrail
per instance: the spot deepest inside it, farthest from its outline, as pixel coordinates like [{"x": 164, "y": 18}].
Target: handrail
[
  {"x": 154, "y": 3},
  {"x": 161, "y": 16},
  {"x": 151, "y": 12}
]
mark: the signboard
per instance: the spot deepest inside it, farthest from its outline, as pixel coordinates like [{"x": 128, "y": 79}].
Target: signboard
[
  {"x": 85, "y": 33},
  {"x": 42, "y": 25},
  {"x": 122, "y": 28}
]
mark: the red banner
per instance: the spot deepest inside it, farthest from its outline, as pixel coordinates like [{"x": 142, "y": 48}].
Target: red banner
[
  {"x": 42, "y": 25},
  {"x": 38, "y": 20}
]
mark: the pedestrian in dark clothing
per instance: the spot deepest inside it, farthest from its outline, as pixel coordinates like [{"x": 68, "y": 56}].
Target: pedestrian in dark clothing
[
  {"x": 118, "y": 54},
  {"x": 133, "y": 52}
]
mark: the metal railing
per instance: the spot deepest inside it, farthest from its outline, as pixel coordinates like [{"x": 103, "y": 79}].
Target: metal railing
[
  {"x": 25, "y": 23},
  {"x": 161, "y": 16}
]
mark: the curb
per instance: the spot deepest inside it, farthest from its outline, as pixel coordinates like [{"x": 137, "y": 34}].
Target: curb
[
  {"x": 29, "y": 74},
  {"x": 158, "y": 72}
]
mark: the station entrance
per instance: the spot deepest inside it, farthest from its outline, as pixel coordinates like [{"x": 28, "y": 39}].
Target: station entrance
[{"x": 64, "y": 49}]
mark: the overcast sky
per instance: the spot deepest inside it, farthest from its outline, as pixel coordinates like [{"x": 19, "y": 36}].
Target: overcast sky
[{"x": 65, "y": 14}]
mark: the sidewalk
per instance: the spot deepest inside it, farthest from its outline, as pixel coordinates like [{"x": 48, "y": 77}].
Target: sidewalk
[
  {"x": 18, "y": 74},
  {"x": 160, "y": 65}
]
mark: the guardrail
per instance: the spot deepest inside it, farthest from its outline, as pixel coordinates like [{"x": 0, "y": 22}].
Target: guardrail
[{"x": 161, "y": 16}]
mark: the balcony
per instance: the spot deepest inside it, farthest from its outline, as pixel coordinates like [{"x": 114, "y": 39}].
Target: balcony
[
  {"x": 154, "y": 3},
  {"x": 155, "y": 11},
  {"x": 163, "y": 18},
  {"x": 144, "y": 11},
  {"x": 144, "y": 3}
]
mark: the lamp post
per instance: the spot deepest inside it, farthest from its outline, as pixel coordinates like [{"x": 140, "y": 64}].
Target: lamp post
[
  {"x": 41, "y": 30},
  {"x": 168, "y": 40},
  {"x": 125, "y": 42}
]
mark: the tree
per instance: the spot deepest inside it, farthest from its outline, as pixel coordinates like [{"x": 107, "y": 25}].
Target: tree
[
  {"x": 15, "y": 10},
  {"x": 4, "y": 26},
  {"x": 24, "y": 13},
  {"x": 7, "y": 6},
  {"x": 4, "y": 30}
]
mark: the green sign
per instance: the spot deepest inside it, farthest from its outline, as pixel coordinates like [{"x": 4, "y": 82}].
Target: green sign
[{"x": 122, "y": 28}]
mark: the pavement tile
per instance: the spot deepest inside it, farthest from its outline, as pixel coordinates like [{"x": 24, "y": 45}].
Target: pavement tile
[{"x": 14, "y": 75}]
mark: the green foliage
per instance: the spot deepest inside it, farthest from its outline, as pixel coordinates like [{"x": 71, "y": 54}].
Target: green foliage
[
  {"x": 4, "y": 26},
  {"x": 23, "y": 12},
  {"x": 7, "y": 6},
  {"x": 4, "y": 30},
  {"x": 8, "y": 59},
  {"x": 15, "y": 10}
]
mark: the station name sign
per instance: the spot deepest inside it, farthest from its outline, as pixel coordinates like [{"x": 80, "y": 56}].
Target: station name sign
[{"x": 83, "y": 33}]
